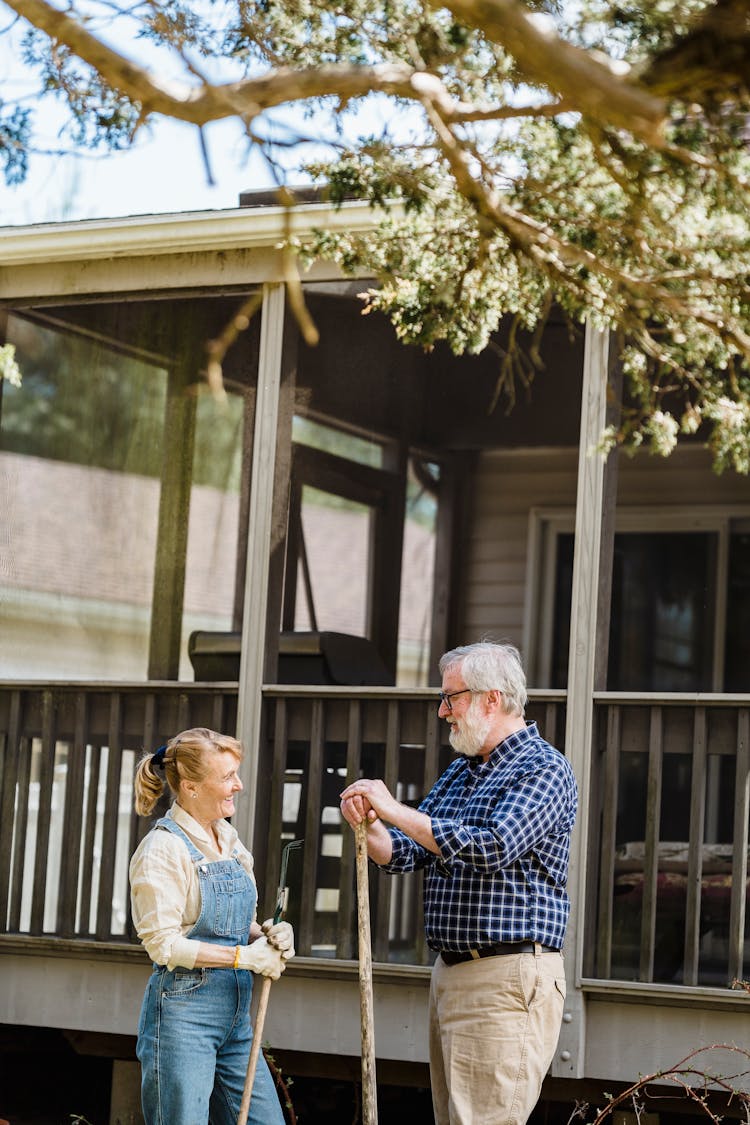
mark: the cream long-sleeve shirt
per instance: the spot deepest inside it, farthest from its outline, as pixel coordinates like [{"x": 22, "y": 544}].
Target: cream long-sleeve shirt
[{"x": 165, "y": 896}]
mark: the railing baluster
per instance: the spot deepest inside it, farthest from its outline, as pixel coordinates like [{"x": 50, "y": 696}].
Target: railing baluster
[
  {"x": 44, "y": 813},
  {"x": 87, "y": 871},
  {"x": 139, "y": 825},
  {"x": 110, "y": 815},
  {"x": 549, "y": 733},
  {"x": 311, "y": 850},
  {"x": 651, "y": 857},
  {"x": 72, "y": 821},
  {"x": 695, "y": 848},
  {"x": 150, "y": 733},
  {"x": 218, "y": 712},
  {"x": 183, "y": 712},
  {"x": 739, "y": 849},
  {"x": 430, "y": 773},
  {"x": 19, "y": 842},
  {"x": 8, "y": 801},
  {"x": 608, "y": 841},
  {"x": 384, "y": 888}
]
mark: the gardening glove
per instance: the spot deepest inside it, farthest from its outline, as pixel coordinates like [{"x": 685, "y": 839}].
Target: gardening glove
[
  {"x": 281, "y": 936},
  {"x": 261, "y": 957}
]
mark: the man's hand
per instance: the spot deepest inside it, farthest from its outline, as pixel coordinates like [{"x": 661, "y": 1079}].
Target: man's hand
[
  {"x": 372, "y": 801},
  {"x": 367, "y": 800},
  {"x": 356, "y": 809}
]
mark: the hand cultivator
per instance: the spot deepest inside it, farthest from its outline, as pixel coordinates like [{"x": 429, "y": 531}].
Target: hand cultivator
[{"x": 260, "y": 1015}]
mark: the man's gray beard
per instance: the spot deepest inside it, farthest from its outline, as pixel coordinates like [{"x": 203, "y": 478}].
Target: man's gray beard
[{"x": 470, "y": 739}]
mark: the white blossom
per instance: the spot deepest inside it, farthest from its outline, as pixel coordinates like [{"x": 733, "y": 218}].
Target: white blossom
[
  {"x": 9, "y": 368},
  {"x": 663, "y": 429}
]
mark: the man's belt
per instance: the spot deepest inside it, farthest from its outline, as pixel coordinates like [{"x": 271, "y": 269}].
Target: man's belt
[{"x": 498, "y": 950}]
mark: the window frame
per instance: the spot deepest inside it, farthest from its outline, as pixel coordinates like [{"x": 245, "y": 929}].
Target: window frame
[
  {"x": 545, "y": 525},
  {"x": 379, "y": 490}
]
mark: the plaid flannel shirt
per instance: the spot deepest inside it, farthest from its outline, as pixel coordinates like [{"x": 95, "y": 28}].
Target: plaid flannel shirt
[{"x": 503, "y": 828}]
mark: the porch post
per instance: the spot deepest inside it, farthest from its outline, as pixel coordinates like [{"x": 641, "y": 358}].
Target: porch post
[
  {"x": 170, "y": 566},
  {"x": 258, "y": 552},
  {"x": 569, "y": 1061}
]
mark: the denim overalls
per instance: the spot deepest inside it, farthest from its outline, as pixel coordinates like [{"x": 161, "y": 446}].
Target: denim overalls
[{"x": 194, "y": 1033}]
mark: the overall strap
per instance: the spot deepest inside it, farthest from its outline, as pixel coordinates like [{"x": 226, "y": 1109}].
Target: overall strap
[{"x": 171, "y": 826}]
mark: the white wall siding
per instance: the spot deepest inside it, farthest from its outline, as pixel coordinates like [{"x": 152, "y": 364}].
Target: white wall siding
[
  {"x": 685, "y": 478},
  {"x": 508, "y": 484}
]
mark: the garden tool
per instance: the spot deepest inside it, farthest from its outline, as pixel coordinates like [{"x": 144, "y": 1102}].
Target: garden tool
[
  {"x": 369, "y": 1085},
  {"x": 265, "y": 989}
]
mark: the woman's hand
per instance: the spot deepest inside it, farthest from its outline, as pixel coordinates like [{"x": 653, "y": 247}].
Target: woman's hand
[
  {"x": 280, "y": 935},
  {"x": 262, "y": 958}
]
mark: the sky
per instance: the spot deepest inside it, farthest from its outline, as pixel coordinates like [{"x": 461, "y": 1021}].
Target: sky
[{"x": 164, "y": 172}]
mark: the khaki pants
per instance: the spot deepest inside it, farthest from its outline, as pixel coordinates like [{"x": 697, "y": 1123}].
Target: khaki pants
[{"x": 494, "y": 1025}]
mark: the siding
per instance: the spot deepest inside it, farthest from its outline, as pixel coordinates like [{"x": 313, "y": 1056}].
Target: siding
[
  {"x": 508, "y": 484},
  {"x": 685, "y": 478}
]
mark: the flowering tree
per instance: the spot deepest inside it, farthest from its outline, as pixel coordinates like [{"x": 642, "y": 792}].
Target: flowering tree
[{"x": 591, "y": 156}]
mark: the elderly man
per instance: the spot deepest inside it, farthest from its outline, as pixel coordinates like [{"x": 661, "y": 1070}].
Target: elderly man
[{"x": 493, "y": 837}]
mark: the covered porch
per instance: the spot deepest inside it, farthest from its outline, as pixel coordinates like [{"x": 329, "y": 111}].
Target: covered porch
[{"x": 434, "y": 520}]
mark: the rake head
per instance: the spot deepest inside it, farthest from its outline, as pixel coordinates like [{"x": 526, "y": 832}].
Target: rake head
[{"x": 282, "y": 877}]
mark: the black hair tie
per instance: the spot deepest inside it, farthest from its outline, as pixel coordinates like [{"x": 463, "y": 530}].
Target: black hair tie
[{"x": 157, "y": 758}]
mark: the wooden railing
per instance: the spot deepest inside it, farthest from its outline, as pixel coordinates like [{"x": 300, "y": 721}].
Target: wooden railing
[
  {"x": 321, "y": 738},
  {"x": 67, "y": 829},
  {"x": 670, "y": 804}
]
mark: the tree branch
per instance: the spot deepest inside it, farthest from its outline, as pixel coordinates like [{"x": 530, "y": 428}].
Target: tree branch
[
  {"x": 201, "y": 104},
  {"x": 553, "y": 255},
  {"x": 465, "y": 115},
  {"x": 591, "y": 85},
  {"x": 710, "y": 62},
  {"x": 586, "y": 84}
]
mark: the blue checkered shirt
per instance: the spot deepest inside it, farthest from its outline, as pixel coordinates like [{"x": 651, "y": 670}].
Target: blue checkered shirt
[{"x": 503, "y": 828}]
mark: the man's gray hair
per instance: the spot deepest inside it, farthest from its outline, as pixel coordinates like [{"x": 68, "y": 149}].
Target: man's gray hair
[{"x": 486, "y": 666}]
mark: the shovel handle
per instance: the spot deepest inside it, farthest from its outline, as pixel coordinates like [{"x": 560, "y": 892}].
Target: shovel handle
[{"x": 252, "y": 1062}]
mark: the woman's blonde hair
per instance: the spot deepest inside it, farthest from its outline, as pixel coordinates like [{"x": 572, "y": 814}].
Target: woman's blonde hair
[{"x": 184, "y": 756}]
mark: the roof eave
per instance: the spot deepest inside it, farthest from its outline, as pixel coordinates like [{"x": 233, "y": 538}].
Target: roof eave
[{"x": 184, "y": 232}]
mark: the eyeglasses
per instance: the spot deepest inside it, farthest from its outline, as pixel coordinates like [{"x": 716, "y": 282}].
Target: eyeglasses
[{"x": 446, "y": 696}]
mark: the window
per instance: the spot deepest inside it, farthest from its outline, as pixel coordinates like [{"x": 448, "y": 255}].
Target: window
[
  {"x": 80, "y": 444},
  {"x": 361, "y": 545},
  {"x": 680, "y": 609},
  {"x": 84, "y": 442}
]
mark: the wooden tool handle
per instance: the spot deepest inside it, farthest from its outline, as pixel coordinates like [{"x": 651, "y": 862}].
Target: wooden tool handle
[
  {"x": 369, "y": 1084},
  {"x": 252, "y": 1062}
]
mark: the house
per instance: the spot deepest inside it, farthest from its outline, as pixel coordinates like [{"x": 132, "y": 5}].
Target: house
[{"x": 288, "y": 561}]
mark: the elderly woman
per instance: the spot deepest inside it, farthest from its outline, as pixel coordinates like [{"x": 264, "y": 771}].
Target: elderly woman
[{"x": 193, "y": 900}]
